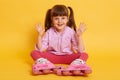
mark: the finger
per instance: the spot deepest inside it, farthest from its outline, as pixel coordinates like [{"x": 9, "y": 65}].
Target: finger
[{"x": 38, "y": 26}]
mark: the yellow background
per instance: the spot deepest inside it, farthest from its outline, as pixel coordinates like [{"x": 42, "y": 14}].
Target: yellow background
[{"x": 18, "y": 36}]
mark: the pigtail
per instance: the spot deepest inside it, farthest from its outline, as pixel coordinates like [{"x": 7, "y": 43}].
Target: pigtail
[
  {"x": 48, "y": 20},
  {"x": 71, "y": 21}
]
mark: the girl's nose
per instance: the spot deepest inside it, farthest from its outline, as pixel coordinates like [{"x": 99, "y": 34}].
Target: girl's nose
[{"x": 60, "y": 20}]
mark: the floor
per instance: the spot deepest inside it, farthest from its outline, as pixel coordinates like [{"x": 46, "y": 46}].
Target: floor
[{"x": 18, "y": 67}]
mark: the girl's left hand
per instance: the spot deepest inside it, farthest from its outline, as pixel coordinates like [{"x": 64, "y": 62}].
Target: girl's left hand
[{"x": 81, "y": 29}]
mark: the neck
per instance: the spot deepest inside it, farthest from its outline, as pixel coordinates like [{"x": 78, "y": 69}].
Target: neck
[{"x": 59, "y": 31}]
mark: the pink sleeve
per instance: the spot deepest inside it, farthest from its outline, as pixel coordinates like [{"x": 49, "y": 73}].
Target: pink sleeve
[
  {"x": 74, "y": 41},
  {"x": 44, "y": 42}
]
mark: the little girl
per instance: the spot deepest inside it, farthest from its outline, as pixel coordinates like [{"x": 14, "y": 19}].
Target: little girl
[{"x": 61, "y": 44}]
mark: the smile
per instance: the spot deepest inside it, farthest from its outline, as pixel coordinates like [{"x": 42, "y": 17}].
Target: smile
[{"x": 59, "y": 24}]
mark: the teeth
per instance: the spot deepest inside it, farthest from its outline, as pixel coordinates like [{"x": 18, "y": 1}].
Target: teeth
[{"x": 59, "y": 24}]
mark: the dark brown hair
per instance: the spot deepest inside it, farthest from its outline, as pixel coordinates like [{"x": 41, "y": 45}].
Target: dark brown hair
[{"x": 60, "y": 10}]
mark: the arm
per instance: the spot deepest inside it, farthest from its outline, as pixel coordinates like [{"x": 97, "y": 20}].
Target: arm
[
  {"x": 38, "y": 45},
  {"x": 40, "y": 35},
  {"x": 81, "y": 47}
]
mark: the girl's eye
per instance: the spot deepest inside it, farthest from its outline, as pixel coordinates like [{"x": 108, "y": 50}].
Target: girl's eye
[
  {"x": 63, "y": 18},
  {"x": 56, "y": 18}
]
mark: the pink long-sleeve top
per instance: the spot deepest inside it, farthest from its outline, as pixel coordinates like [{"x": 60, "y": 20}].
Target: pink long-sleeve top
[{"x": 59, "y": 44}]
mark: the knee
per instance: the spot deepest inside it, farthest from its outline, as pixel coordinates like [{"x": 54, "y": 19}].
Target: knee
[
  {"x": 84, "y": 56},
  {"x": 84, "y": 53},
  {"x": 34, "y": 52}
]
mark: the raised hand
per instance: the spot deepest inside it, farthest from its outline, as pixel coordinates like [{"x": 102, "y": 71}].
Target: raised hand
[
  {"x": 81, "y": 29},
  {"x": 39, "y": 29}
]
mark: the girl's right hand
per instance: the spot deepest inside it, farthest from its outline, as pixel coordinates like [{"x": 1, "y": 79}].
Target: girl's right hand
[{"x": 39, "y": 29}]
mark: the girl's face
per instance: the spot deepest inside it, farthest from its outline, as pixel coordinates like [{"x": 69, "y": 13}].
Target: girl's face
[{"x": 59, "y": 22}]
